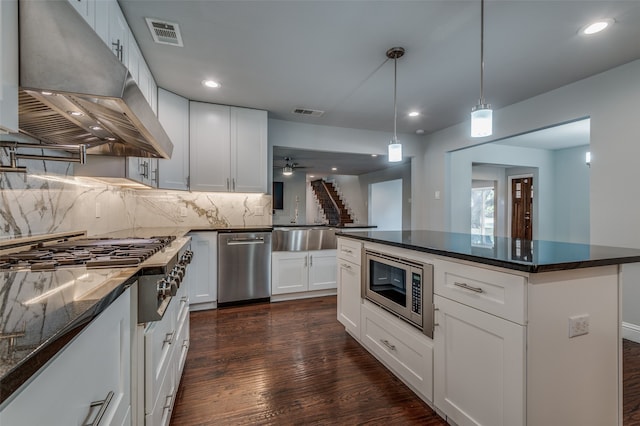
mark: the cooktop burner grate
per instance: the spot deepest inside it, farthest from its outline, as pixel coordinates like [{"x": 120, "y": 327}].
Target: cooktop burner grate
[{"x": 89, "y": 252}]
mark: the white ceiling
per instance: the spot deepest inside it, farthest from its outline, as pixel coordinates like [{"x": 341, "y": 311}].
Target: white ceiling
[
  {"x": 330, "y": 55},
  {"x": 564, "y": 136}
]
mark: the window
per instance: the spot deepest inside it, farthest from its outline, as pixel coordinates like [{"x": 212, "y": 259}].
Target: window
[{"x": 482, "y": 216}]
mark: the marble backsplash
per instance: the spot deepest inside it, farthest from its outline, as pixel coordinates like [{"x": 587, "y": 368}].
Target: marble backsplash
[{"x": 49, "y": 199}]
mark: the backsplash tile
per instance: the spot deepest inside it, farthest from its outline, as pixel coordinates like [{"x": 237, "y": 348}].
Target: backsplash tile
[{"x": 50, "y": 199}]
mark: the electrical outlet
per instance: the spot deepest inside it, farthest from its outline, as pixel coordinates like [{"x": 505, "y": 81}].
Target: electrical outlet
[
  {"x": 578, "y": 325},
  {"x": 437, "y": 195}
]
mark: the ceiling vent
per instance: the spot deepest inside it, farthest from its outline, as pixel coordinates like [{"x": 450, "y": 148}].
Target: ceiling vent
[
  {"x": 164, "y": 32},
  {"x": 308, "y": 112}
]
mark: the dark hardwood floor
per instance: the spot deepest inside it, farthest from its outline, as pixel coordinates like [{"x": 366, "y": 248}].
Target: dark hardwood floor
[{"x": 293, "y": 363}]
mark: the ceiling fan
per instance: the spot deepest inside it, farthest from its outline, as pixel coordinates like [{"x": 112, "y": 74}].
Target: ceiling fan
[{"x": 290, "y": 165}]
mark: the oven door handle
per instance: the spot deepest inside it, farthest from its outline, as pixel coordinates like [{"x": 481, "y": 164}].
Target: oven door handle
[{"x": 245, "y": 241}]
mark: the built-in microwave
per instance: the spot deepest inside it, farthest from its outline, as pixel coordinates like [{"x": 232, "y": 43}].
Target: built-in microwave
[{"x": 401, "y": 286}]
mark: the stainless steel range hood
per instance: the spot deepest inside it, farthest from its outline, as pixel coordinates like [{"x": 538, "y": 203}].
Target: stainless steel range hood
[{"x": 74, "y": 90}]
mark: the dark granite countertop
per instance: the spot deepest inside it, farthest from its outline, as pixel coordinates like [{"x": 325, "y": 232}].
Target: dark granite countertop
[
  {"x": 40, "y": 312},
  {"x": 520, "y": 255}
]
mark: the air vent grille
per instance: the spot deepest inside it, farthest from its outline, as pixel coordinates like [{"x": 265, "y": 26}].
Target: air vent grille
[
  {"x": 164, "y": 32},
  {"x": 308, "y": 112}
]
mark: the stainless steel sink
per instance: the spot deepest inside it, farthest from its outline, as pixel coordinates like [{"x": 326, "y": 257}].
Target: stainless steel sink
[{"x": 293, "y": 238}]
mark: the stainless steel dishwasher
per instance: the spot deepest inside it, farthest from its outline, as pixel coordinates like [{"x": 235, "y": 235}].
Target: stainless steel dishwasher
[{"x": 244, "y": 267}]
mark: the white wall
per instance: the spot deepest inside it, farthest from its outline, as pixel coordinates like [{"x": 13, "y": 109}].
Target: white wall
[
  {"x": 385, "y": 205},
  {"x": 571, "y": 202},
  {"x": 400, "y": 171},
  {"x": 610, "y": 99}
]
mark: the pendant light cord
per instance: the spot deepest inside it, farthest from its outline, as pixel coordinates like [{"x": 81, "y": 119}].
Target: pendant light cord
[
  {"x": 481, "y": 52},
  {"x": 395, "y": 105}
]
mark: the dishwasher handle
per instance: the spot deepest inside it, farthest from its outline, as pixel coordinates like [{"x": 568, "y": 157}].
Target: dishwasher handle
[{"x": 245, "y": 241}]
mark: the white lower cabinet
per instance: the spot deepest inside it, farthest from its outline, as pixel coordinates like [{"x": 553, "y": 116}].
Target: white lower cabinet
[
  {"x": 90, "y": 375},
  {"x": 479, "y": 366},
  {"x": 349, "y": 300},
  {"x": 166, "y": 344},
  {"x": 303, "y": 271},
  {"x": 203, "y": 282},
  {"x": 399, "y": 346}
]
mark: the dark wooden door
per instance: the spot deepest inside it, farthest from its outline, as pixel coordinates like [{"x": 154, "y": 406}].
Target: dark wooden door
[{"x": 522, "y": 208}]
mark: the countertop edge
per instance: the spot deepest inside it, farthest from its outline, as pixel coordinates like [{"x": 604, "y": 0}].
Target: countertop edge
[{"x": 514, "y": 265}]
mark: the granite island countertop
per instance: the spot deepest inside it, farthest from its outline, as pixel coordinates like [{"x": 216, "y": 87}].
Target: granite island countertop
[
  {"x": 532, "y": 256},
  {"x": 40, "y": 312}
]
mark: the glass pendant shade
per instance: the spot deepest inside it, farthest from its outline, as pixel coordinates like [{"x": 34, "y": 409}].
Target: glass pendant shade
[
  {"x": 481, "y": 121},
  {"x": 287, "y": 170},
  {"x": 395, "y": 151}
]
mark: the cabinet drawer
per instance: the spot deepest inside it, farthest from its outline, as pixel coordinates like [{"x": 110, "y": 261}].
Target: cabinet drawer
[
  {"x": 401, "y": 347},
  {"x": 159, "y": 339},
  {"x": 350, "y": 250},
  {"x": 497, "y": 293},
  {"x": 160, "y": 413},
  {"x": 181, "y": 344}
]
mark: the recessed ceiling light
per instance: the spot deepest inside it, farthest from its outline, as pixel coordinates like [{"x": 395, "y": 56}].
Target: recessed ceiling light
[
  {"x": 333, "y": 169},
  {"x": 414, "y": 114},
  {"x": 210, "y": 83},
  {"x": 95, "y": 128},
  {"x": 111, "y": 138},
  {"x": 420, "y": 131},
  {"x": 76, "y": 113},
  {"x": 311, "y": 176},
  {"x": 46, "y": 93},
  {"x": 596, "y": 27},
  {"x": 374, "y": 155}
]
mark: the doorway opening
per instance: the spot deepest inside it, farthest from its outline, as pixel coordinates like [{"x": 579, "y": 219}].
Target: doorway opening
[
  {"x": 521, "y": 205},
  {"x": 483, "y": 213},
  {"x": 385, "y": 205}
]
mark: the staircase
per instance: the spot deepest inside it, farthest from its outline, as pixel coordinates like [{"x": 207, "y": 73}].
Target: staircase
[{"x": 330, "y": 202}]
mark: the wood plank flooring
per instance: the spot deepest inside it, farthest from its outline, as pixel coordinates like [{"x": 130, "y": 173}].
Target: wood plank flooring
[{"x": 293, "y": 363}]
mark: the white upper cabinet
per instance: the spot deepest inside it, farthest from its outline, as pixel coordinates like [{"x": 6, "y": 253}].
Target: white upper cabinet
[
  {"x": 8, "y": 66},
  {"x": 248, "y": 150},
  {"x": 118, "y": 33},
  {"x": 228, "y": 148},
  {"x": 210, "y": 148},
  {"x": 173, "y": 113}
]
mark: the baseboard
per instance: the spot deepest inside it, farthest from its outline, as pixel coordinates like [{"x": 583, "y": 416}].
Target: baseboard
[
  {"x": 303, "y": 295},
  {"x": 202, "y": 306},
  {"x": 631, "y": 332}
]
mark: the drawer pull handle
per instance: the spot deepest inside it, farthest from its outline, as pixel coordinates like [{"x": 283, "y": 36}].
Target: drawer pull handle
[
  {"x": 103, "y": 404},
  {"x": 167, "y": 403},
  {"x": 168, "y": 338},
  {"x": 468, "y": 287},
  {"x": 344, "y": 250},
  {"x": 344, "y": 265},
  {"x": 388, "y": 345},
  {"x": 435, "y": 323}
]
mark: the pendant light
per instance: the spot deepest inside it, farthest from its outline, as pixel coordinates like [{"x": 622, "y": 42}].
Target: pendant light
[
  {"x": 395, "y": 147},
  {"x": 481, "y": 114}
]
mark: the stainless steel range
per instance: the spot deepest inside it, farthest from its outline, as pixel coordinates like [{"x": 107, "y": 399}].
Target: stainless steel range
[{"x": 163, "y": 261}]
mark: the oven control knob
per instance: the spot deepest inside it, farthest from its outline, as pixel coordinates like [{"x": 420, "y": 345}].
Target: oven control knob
[
  {"x": 186, "y": 257},
  {"x": 173, "y": 286},
  {"x": 164, "y": 288},
  {"x": 178, "y": 271}
]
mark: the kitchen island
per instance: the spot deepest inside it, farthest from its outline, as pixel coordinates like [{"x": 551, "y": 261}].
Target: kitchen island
[{"x": 525, "y": 332}]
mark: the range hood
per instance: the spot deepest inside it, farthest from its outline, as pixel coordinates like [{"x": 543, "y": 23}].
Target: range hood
[{"x": 74, "y": 90}]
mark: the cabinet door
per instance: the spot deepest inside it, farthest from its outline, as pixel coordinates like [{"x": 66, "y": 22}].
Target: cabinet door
[
  {"x": 249, "y": 150},
  {"x": 349, "y": 301},
  {"x": 9, "y": 66},
  {"x": 93, "y": 365},
  {"x": 479, "y": 366},
  {"x": 203, "y": 282},
  {"x": 133, "y": 62},
  {"x": 210, "y": 150},
  {"x": 118, "y": 33},
  {"x": 102, "y": 20},
  {"x": 322, "y": 269},
  {"x": 290, "y": 272},
  {"x": 173, "y": 113}
]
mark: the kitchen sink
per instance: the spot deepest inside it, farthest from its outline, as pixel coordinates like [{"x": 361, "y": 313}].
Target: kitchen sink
[{"x": 303, "y": 238}]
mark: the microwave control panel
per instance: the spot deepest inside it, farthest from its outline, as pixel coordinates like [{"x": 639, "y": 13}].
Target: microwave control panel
[{"x": 416, "y": 293}]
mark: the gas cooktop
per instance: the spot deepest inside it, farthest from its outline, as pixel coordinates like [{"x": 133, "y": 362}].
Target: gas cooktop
[{"x": 88, "y": 252}]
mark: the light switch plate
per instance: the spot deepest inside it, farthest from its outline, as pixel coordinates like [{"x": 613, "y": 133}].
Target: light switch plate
[{"x": 578, "y": 325}]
